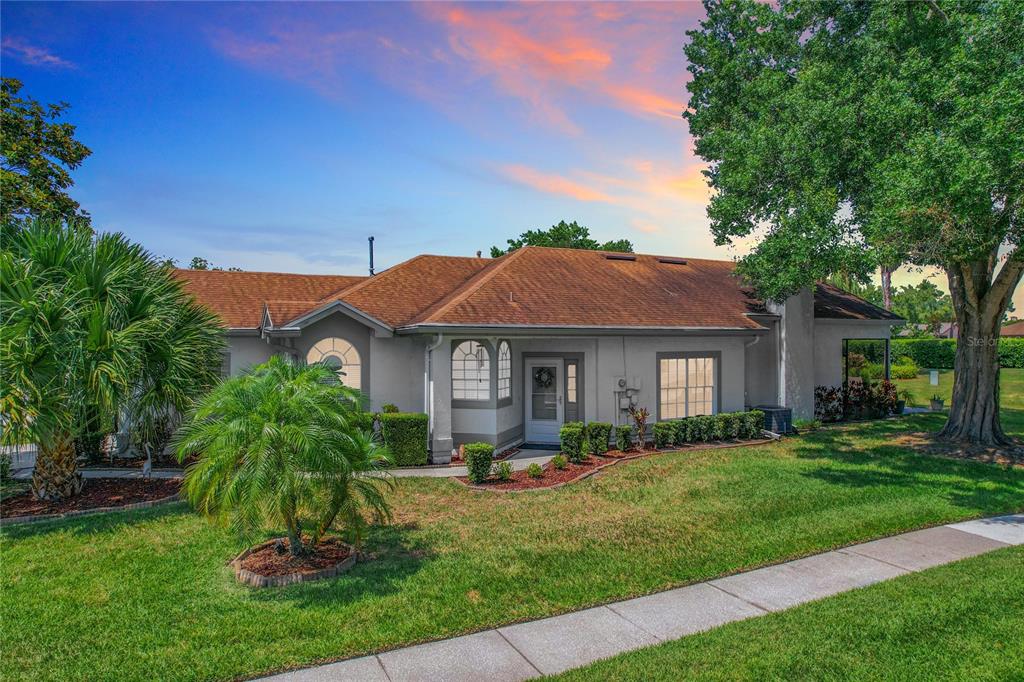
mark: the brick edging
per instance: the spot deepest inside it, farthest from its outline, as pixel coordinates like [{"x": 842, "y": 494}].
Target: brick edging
[
  {"x": 253, "y": 579},
  {"x": 616, "y": 460},
  {"x": 25, "y": 520}
]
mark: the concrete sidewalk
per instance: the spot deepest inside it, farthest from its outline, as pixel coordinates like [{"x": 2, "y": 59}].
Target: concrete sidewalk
[{"x": 553, "y": 645}]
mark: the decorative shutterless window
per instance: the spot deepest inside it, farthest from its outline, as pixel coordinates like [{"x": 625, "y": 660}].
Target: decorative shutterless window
[
  {"x": 341, "y": 356},
  {"x": 504, "y": 370},
  {"x": 687, "y": 387},
  {"x": 471, "y": 372}
]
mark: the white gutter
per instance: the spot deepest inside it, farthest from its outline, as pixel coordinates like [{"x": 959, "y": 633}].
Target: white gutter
[{"x": 428, "y": 393}]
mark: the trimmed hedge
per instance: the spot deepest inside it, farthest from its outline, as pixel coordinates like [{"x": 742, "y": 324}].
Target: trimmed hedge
[
  {"x": 571, "y": 437},
  {"x": 926, "y": 353},
  {"x": 1011, "y": 353},
  {"x": 664, "y": 434},
  {"x": 624, "y": 437},
  {"x": 405, "y": 434},
  {"x": 478, "y": 461},
  {"x": 703, "y": 428},
  {"x": 598, "y": 434}
]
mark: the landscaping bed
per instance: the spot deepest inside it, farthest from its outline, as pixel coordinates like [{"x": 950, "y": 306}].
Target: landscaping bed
[
  {"x": 272, "y": 564},
  {"x": 97, "y": 493},
  {"x": 552, "y": 477}
]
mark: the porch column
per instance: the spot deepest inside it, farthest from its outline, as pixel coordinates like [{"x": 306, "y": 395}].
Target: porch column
[
  {"x": 796, "y": 353},
  {"x": 440, "y": 391}
]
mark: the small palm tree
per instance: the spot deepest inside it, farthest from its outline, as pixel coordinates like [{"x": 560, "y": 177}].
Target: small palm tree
[
  {"x": 91, "y": 326},
  {"x": 282, "y": 445}
]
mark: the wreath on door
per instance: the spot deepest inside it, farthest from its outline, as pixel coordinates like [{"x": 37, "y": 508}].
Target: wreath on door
[{"x": 543, "y": 377}]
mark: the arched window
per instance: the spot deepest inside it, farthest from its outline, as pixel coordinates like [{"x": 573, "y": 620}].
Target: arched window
[
  {"x": 504, "y": 370},
  {"x": 340, "y": 355},
  {"x": 471, "y": 372}
]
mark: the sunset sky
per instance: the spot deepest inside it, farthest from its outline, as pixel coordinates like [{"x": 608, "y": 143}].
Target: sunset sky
[{"x": 280, "y": 136}]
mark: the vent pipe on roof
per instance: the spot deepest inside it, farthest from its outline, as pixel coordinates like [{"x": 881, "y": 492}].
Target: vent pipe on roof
[{"x": 371, "y": 256}]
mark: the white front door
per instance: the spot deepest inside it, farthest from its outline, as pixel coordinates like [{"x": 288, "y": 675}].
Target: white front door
[{"x": 544, "y": 400}]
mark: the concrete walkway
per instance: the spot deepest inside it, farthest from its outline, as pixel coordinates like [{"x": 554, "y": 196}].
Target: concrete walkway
[{"x": 553, "y": 645}]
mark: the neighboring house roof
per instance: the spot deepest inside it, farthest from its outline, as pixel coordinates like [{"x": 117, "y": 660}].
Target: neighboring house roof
[
  {"x": 238, "y": 297},
  {"x": 835, "y": 304},
  {"x": 532, "y": 286},
  {"x": 1013, "y": 329}
]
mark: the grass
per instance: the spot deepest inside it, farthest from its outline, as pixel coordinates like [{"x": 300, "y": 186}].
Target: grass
[
  {"x": 1011, "y": 386},
  {"x": 962, "y": 621},
  {"x": 148, "y": 594}
]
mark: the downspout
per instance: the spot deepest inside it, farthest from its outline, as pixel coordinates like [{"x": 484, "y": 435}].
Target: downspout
[{"x": 428, "y": 403}]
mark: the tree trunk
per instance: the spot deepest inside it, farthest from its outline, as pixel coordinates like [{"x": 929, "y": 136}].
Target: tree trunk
[
  {"x": 980, "y": 297},
  {"x": 887, "y": 288},
  {"x": 974, "y": 408},
  {"x": 56, "y": 475}
]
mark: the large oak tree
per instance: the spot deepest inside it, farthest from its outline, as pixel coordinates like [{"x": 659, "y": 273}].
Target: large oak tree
[{"x": 846, "y": 135}]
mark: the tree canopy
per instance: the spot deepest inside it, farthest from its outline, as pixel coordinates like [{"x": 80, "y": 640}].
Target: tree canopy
[
  {"x": 846, "y": 135},
  {"x": 563, "y": 235},
  {"x": 37, "y": 153}
]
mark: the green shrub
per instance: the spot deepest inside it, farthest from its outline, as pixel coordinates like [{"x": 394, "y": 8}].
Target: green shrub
[
  {"x": 365, "y": 421},
  {"x": 905, "y": 370},
  {"x": 478, "y": 461},
  {"x": 534, "y": 471},
  {"x": 664, "y": 434},
  {"x": 753, "y": 424},
  {"x": 1011, "y": 352},
  {"x": 503, "y": 470},
  {"x": 405, "y": 434},
  {"x": 389, "y": 408},
  {"x": 806, "y": 424},
  {"x": 926, "y": 353},
  {"x": 684, "y": 428},
  {"x": 559, "y": 462},
  {"x": 5, "y": 466},
  {"x": 584, "y": 450},
  {"x": 570, "y": 437},
  {"x": 624, "y": 437},
  {"x": 703, "y": 428},
  {"x": 598, "y": 434}
]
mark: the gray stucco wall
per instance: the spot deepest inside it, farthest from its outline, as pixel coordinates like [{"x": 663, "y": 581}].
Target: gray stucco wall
[
  {"x": 796, "y": 343},
  {"x": 828, "y": 345},
  {"x": 247, "y": 351},
  {"x": 762, "y": 369}
]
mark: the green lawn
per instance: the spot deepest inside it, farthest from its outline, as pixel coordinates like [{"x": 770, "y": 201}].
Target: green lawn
[
  {"x": 1011, "y": 386},
  {"x": 963, "y": 621},
  {"x": 148, "y": 594}
]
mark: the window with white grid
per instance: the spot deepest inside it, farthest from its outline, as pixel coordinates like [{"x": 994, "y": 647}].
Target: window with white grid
[
  {"x": 687, "y": 387},
  {"x": 471, "y": 372},
  {"x": 504, "y": 370}
]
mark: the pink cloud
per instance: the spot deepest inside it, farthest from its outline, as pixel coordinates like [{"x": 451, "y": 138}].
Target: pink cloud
[
  {"x": 17, "y": 48},
  {"x": 552, "y": 183}
]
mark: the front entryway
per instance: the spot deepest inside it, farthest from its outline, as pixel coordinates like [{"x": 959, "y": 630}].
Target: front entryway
[{"x": 545, "y": 400}]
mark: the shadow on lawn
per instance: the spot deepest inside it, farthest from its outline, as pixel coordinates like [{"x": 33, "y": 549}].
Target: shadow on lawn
[
  {"x": 394, "y": 555},
  {"x": 866, "y": 456}
]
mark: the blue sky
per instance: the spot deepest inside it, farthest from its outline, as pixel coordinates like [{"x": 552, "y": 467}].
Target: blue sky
[
  {"x": 279, "y": 137},
  {"x": 273, "y": 136}
]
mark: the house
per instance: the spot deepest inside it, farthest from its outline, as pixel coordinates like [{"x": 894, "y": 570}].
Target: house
[{"x": 505, "y": 350}]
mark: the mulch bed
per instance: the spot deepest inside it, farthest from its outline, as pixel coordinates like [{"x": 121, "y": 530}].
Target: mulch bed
[
  {"x": 552, "y": 477},
  {"x": 926, "y": 444},
  {"x": 269, "y": 560},
  {"x": 96, "y": 493}
]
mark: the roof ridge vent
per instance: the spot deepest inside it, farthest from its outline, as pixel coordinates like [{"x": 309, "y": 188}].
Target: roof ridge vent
[
  {"x": 620, "y": 256},
  {"x": 672, "y": 261}
]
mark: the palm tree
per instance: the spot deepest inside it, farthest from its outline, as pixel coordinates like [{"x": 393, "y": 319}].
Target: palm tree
[
  {"x": 91, "y": 327},
  {"x": 283, "y": 445}
]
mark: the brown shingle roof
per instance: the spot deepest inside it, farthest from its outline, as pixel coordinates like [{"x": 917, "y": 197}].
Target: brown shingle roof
[
  {"x": 533, "y": 286},
  {"x": 1013, "y": 329},
  {"x": 567, "y": 287},
  {"x": 833, "y": 303},
  {"x": 238, "y": 297}
]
